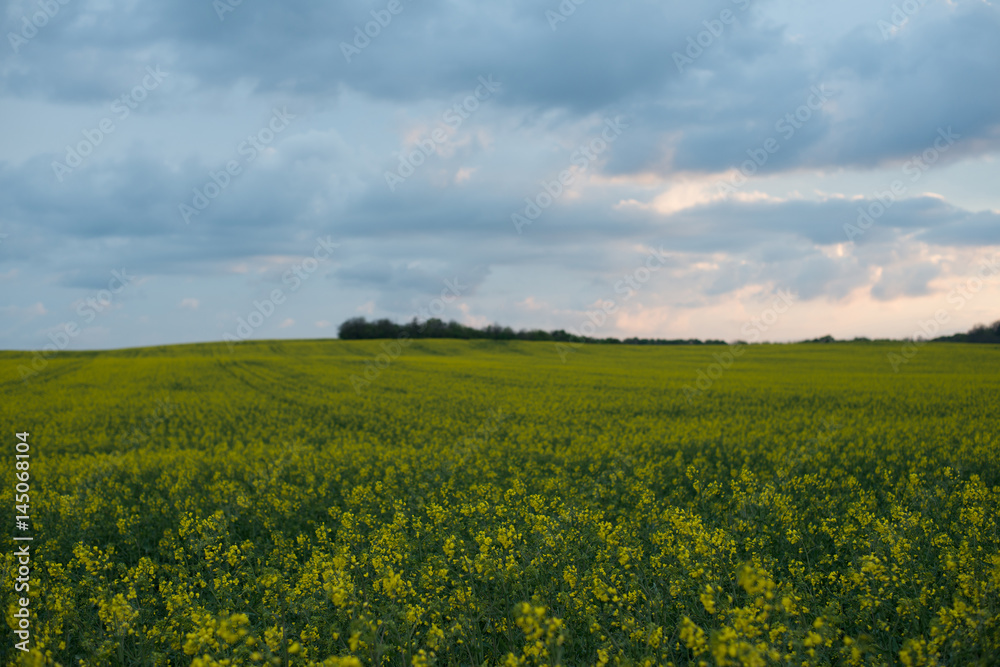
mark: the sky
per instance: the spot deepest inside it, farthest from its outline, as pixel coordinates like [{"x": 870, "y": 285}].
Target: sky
[{"x": 763, "y": 170}]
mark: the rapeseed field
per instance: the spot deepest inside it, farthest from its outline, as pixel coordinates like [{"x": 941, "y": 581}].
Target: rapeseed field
[{"x": 487, "y": 503}]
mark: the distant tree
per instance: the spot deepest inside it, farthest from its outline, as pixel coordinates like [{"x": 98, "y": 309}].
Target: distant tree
[
  {"x": 412, "y": 328},
  {"x": 358, "y": 328},
  {"x": 433, "y": 328},
  {"x": 492, "y": 331},
  {"x": 533, "y": 334},
  {"x": 982, "y": 333},
  {"x": 353, "y": 329},
  {"x": 385, "y": 328},
  {"x": 456, "y": 330}
]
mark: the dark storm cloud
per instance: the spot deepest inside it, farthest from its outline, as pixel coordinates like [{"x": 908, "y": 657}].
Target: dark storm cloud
[
  {"x": 689, "y": 110},
  {"x": 602, "y": 54},
  {"x": 895, "y": 92},
  {"x": 936, "y": 73}
]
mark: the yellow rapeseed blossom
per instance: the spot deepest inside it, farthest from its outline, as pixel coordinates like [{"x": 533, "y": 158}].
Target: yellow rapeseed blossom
[{"x": 811, "y": 508}]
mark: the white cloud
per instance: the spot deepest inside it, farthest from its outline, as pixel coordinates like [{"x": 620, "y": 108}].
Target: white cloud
[{"x": 25, "y": 313}]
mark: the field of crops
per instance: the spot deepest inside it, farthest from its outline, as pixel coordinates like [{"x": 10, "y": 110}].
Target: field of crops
[{"x": 485, "y": 503}]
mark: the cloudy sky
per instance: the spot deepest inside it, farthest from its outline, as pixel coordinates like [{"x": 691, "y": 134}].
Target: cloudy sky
[{"x": 167, "y": 170}]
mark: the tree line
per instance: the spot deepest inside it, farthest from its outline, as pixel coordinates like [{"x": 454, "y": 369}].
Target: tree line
[
  {"x": 358, "y": 328},
  {"x": 981, "y": 333}
]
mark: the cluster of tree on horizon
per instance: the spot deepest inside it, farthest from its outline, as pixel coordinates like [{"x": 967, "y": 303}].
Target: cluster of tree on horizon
[
  {"x": 358, "y": 328},
  {"x": 980, "y": 333}
]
